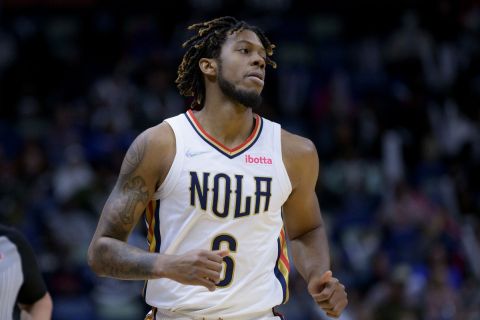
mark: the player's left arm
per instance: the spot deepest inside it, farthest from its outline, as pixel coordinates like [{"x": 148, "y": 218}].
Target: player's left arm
[{"x": 305, "y": 226}]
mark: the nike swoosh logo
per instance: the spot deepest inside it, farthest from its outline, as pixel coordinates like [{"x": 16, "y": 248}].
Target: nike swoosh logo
[{"x": 191, "y": 154}]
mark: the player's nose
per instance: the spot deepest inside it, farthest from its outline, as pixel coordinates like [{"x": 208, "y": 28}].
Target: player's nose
[{"x": 259, "y": 61}]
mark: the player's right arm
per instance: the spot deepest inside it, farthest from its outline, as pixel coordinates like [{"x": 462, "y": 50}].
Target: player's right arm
[{"x": 144, "y": 167}]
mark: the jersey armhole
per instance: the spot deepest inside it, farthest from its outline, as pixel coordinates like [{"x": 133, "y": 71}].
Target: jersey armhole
[
  {"x": 175, "y": 169},
  {"x": 282, "y": 173}
]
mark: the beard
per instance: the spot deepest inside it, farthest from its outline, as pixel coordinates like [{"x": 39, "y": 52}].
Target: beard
[{"x": 249, "y": 99}]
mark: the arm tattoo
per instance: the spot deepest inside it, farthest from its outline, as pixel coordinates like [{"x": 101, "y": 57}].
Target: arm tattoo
[
  {"x": 130, "y": 190},
  {"x": 125, "y": 262},
  {"x": 113, "y": 256},
  {"x": 133, "y": 189},
  {"x": 134, "y": 156},
  {"x": 137, "y": 192}
]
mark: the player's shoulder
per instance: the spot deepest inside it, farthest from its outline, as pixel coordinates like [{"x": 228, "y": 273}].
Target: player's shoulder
[
  {"x": 299, "y": 156},
  {"x": 155, "y": 146},
  {"x": 159, "y": 136},
  {"x": 296, "y": 145}
]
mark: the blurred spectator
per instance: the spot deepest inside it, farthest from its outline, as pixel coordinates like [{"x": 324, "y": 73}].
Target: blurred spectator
[{"x": 390, "y": 100}]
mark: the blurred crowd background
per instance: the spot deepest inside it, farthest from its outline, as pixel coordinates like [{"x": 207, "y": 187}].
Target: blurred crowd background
[{"x": 388, "y": 92}]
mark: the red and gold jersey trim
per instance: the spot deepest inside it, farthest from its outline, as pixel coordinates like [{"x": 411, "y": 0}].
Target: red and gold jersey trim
[
  {"x": 230, "y": 153},
  {"x": 282, "y": 267},
  {"x": 152, "y": 219}
]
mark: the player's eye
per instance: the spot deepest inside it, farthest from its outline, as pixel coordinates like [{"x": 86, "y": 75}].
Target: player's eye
[{"x": 244, "y": 50}]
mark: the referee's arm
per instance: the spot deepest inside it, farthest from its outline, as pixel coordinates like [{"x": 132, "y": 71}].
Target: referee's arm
[
  {"x": 39, "y": 310},
  {"x": 33, "y": 298}
]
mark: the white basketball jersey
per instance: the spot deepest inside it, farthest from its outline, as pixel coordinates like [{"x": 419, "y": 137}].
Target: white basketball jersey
[{"x": 219, "y": 198}]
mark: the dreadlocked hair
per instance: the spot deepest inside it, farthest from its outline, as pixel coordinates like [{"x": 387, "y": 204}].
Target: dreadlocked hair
[{"x": 206, "y": 43}]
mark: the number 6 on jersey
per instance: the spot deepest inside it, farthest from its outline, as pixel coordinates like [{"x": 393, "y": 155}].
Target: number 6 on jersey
[{"x": 228, "y": 261}]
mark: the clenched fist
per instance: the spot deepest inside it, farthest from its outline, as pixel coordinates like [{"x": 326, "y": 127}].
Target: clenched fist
[
  {"x": 197, "y": 267},
  {"x": 329, "y": 294}
]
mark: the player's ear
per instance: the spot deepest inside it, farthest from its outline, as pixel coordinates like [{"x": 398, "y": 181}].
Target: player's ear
[{"x": 208, "y": 66}]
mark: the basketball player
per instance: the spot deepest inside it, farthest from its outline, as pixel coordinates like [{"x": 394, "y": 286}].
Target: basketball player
[
  {"x": 217, "y": 185},
  {"x": 21, "y": 282}
]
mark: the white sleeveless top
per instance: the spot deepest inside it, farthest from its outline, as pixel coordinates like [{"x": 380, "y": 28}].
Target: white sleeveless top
[
  {"x": 219, "y": 198},
  {"x": 11, "y": 276}
]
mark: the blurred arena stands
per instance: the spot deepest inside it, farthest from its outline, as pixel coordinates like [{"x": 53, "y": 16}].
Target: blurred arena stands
[{"x": 388, "y": 92}]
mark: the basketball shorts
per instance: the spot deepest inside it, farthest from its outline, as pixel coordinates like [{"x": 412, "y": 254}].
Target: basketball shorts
[{"x": 159, "y": 314}]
